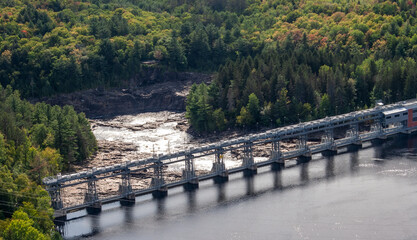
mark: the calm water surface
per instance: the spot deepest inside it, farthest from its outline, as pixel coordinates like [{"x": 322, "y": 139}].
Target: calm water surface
[{"x": 368, "y": 194}]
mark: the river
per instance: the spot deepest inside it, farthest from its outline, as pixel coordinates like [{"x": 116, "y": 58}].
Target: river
[{"x": 367, "y": 194}]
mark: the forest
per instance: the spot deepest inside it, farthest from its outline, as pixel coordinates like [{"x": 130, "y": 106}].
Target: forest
[
  {"x": 313, "y": 58},
  {"x": 50, "y": 46},
  {"x": 295, "y": 82},
  {"x": 36, "y": 140},
  {"x": 320, "y": 60}
]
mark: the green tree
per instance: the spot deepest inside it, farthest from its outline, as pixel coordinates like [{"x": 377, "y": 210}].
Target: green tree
[
  {"x": 65, "y": 75},
  {"x": 325, "y": 106},
  {"x": 177, "y": 58},
  {"x": 280, "y": 109},
  {"x": 135, "y": 56},
  {"x": 237, "y": 5},
  {"x": 41, "y": 214},
  {"x": 253, "y": 107},
  {"x": 245, "y": 119},
  {"x": 86, "y": 141},
  {"x": 119, "y": 25},
  {"x": 21, "y": 228},
  {"x": 41, "y": 135},
  {"x": 3, "y": 156},
  {"x": 410, "y": 88},
  {"x": 205, "y": 110},
  {"x": 199, "y": 48},
  {"x": 65, "y": 139},
  {"x": 198, "y": 110},
  {"x": 219, "y": 119}
]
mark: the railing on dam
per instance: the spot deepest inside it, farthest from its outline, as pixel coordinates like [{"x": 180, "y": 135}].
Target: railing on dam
[{"x": 158, "y": 186}]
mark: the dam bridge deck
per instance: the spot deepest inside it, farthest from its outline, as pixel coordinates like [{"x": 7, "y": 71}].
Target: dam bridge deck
[{"x": 350, "y": 122}]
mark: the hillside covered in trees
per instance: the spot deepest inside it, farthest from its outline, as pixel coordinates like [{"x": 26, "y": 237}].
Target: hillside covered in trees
[
  {"x": 311, "y": 58},
  {"x": 50, "y": 46},
  {"x": 317, "y": 59},
  {"x": 35, "y": 141}
]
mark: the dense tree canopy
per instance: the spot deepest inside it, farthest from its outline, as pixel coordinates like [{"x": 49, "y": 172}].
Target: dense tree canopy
[
  {"x": 50, "y": 46},
  {"x": 313, "y": 59},
  {"x": 287, "y": 85},
  {"x": 35, "y": 141}
]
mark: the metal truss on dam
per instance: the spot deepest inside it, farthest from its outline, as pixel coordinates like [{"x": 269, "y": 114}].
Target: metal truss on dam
[{"x": 376, "y": 123}]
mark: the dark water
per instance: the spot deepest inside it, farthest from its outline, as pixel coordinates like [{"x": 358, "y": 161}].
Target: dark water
[{"x": 368, "y": 194}]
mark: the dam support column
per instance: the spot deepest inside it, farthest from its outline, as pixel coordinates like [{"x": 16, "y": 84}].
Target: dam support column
[
  {"x": 353, "y": 133},
  {"x": 56, "y": 202},
  {"x": 91, "y": 197},
  {"x": 248, "y": 161},
  {"x": 189, "y": 174},
  {"x": 278, "y": 163},
  {"x": 328, "y": 139},
  {"x": 219, "y": 168},
  {"x": 302, "y": 146},
  {"x": 378, "y": 130},
  {"x": 125, "y": 189},
  {"x": 158, "y": 181}
]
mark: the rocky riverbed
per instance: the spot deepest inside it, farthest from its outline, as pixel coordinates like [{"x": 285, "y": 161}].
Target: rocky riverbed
[
  {"x": 138, "y": 136},
  {"x": 145, "y": 117}
]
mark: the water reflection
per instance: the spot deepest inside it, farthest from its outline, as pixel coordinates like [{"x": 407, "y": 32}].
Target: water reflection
[
  {"x": 329, "y": 167},
  {"x": 379, "y": 153},
  {"x": 95, "y": 224},
  {"x": 191, "y": 201},
  {"x": 304, "y": 172},
  {"x": 250, "y": 190},
  {"x": 401, "y": 146},
  {"x": 128, "y": 215},
  {"x": 260, "y": 186},
  {"x": 412, "y": 148},
  {"x": 160, "y": 208},
  {"x": 354, "y": 161},
  {"x": 277, "y": 175},
  {"x": 221, "y": 193},
  {"x": 412, "y": 144}
]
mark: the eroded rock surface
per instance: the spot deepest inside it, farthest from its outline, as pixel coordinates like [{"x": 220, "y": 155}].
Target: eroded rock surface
[{"x": 150, "y": 95}]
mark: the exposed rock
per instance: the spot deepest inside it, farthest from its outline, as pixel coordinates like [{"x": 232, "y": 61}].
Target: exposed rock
[{"x": 150, "y": 93}]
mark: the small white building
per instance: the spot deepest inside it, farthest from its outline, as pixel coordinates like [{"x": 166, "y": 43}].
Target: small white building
[{"x": 396, "y": 115}]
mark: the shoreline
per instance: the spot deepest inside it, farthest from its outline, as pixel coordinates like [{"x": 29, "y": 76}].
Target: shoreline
[{"x": 113, "y": 150}]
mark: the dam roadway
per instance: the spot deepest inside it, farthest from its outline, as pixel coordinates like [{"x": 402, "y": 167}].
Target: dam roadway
[{"x": 352, "y": 123}]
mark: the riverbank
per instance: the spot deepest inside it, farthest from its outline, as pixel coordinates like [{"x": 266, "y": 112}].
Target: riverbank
[
  {"x": 132, "y": 137},
  {"x": 145, "y": 119}
]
